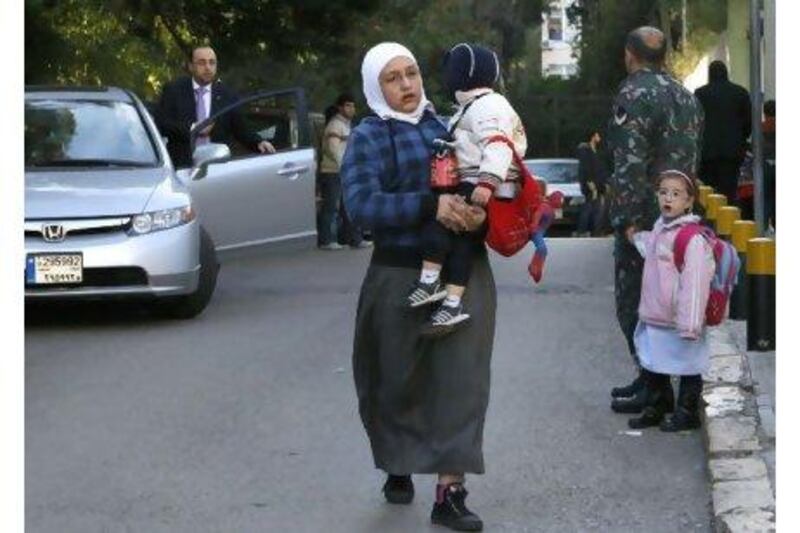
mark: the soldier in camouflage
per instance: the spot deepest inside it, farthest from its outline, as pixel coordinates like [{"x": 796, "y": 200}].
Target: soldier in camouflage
[{"x": 656, "y": 125}]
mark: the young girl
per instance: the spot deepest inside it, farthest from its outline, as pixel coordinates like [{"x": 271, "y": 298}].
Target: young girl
[
  {"x": 670, "y": 336},
  {"x": 484, "y": 168}
]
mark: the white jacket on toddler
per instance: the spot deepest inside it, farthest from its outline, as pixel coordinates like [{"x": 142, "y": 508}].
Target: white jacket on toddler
[{"x": 488, "y": 114}]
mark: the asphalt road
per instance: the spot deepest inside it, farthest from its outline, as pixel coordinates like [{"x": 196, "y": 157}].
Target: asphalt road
[{"x": 245, "y": 419}]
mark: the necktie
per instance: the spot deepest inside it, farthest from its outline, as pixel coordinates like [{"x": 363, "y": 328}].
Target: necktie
[{"x": 200, "y": 108}]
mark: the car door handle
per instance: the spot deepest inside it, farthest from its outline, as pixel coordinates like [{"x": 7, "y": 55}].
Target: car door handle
[{"x": 293, "y": 172}]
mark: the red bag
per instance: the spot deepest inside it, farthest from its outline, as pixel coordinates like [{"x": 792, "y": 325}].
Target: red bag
[{"x": 511, "y": 222}]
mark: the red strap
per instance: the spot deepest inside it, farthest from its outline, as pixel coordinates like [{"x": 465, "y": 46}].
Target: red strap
[
  {"x": 517, "y": 159},
  {"x": 685, "y": 234}
]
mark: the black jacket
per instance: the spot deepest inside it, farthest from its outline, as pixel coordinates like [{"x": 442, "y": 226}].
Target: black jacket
[
  {"x": 590, "y": 169},
  {"x": 176, "y": 112},
  {"x": 727, "y": 119}
]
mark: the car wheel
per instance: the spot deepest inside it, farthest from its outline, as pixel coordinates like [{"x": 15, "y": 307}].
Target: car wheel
[{"x": 191, "y": 305}]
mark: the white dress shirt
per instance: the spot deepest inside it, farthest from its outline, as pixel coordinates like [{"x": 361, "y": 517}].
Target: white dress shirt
[{"x": 206, "y": 96}]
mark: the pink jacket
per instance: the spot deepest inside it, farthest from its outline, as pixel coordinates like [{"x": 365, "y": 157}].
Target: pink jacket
[{"x": 671, "y": 298}]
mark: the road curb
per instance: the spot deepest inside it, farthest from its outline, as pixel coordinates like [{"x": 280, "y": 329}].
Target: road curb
[{"x": 741, "y": 494}]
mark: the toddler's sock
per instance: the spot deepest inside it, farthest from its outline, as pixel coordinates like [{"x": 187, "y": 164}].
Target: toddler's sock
[
  {"x": 428, "y": 275},
  {"x": 452, "y": 300}
]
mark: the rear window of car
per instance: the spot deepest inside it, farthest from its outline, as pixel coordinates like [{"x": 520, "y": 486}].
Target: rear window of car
[
  {"x": 76, "y": 133},
  {"x": 554, "y": 172}
]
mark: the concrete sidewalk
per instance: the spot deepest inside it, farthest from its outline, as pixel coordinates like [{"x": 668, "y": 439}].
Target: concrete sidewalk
[{"x": 739, "y": 426}]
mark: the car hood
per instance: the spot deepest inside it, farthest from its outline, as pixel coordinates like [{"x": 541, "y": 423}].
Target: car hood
[{"x": 100, "y": 193}]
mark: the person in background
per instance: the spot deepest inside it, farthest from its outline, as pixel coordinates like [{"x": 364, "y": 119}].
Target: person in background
[
  {"x": 768, "y": 129},
  {"x": 334, "y": 142},
  {"x": 591, "y": 177},
  {"x": 727, "y": 127},
  {"x": 190, "y": 100}
]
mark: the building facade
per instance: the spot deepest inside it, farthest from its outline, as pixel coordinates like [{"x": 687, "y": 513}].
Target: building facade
[{"x": 559, "y": 42}]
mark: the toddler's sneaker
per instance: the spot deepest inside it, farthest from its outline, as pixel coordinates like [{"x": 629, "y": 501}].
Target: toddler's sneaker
[
  {"x": 445, "y": 319},
  {"x": 425, "y": 293}
]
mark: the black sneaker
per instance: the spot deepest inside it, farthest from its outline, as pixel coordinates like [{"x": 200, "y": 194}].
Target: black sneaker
[
  {"x": 453, "y": 513},
  {"x": 425, "y": 293},
  {"x": 445, "y": 319}
]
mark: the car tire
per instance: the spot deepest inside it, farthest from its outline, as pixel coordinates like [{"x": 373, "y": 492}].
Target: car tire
[{"x": 191, "y": 305}]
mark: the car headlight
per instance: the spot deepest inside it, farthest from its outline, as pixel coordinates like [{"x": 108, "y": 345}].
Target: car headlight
[{"x": 161, "y": 220}]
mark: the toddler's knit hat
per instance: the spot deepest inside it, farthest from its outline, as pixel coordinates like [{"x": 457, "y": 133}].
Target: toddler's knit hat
[{"x": 469, "y": 66}]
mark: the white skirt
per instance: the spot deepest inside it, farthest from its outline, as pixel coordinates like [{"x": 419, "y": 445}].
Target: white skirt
[{"x": 664, "y": 351}]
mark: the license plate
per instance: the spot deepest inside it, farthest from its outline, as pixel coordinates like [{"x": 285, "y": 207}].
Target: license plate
[{"x": 52, "y": 269}]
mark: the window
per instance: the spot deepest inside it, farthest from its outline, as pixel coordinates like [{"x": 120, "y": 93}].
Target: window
[
  {"x": 75, "y": 132},
  {"x": 272, "y": 119}
]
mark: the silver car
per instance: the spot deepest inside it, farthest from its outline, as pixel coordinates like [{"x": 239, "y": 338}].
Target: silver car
[
  {"x": 560, "y": 175},
  {"x": 107, "y": 215}
]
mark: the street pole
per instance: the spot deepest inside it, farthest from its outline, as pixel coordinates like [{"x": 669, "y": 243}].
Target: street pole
[
  {"x": 757, "y": 98},
  {"x": 684, "y": 27}
]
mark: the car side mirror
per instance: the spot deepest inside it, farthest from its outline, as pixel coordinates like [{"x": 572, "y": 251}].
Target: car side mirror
[{"x": 204, "y": 155}]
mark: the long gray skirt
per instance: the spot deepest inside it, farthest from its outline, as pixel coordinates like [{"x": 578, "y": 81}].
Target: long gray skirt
[{"x": 423, "y": 401}]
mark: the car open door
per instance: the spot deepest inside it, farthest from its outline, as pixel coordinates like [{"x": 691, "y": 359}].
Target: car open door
[{"x": 252, "y": 198}]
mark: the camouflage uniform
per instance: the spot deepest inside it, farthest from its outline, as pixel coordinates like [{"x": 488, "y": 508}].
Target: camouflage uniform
[{"x": 657, "y": 125}]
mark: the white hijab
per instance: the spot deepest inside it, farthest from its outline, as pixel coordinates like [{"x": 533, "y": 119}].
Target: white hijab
[{"x": 374, "y": 62}]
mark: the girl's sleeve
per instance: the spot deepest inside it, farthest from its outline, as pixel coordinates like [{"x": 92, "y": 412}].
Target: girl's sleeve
[
  {"x": 367, "y": 205},
  {"x": 643, "y": 240},
  {"x": 694, "y": 285}
]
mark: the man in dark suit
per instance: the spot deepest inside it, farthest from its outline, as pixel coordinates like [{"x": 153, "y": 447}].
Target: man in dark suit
[
  {"x": 727, "y": 127},
  {"x": 190, "y": 100}
]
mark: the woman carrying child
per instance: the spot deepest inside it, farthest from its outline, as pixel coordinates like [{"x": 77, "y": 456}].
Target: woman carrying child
[{"x": 422, "y": 401}]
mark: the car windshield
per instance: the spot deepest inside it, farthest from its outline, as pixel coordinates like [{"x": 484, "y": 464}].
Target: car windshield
[
  {"x": 78, "y": 133},
  {"x": 554, "y": 171}
]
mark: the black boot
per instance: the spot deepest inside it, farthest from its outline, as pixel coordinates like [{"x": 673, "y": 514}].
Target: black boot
[
  {"x": 687, "y": 415},
  {"x": 451, "y": 511},
  {"x": 659, "y": 400},
  {"x": 629, "y": 390},
  {"x": 398, "y": 489},
  {"x": 637, "y": 403}
]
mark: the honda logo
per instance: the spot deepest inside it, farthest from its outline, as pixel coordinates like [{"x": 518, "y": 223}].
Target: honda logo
[{"x": 53, "y": 232}]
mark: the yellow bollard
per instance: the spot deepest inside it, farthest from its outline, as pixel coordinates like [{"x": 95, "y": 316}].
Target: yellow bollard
[
  {"x": 713, "y": 203},
  {"x": 761, "y": 294},
  {"x": 702, "y": 193},
  {"x": 726, "y": 216},
  {"x": 743, "y": 231}
]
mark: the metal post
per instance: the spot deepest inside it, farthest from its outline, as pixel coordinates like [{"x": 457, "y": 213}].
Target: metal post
[
  {"x": 684, "y": 27},
  {"x": 757, "y": 99}
]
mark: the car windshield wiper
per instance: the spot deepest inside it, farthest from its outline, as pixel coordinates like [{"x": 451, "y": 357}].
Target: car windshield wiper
[{"x": 91, "y": 163}]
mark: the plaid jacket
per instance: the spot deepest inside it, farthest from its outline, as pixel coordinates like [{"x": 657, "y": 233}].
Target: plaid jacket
[{"x": 386, "y": 178}]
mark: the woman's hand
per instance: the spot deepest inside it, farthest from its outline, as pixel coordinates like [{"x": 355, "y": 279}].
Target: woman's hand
[{"x": 451, "y": 212}]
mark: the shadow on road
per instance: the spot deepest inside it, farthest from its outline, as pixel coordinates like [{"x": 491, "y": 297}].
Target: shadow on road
[{"x": 43, "y": 315}]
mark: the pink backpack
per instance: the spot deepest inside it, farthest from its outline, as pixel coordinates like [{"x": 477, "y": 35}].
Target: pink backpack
[{"x": 726, "y": 271}]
